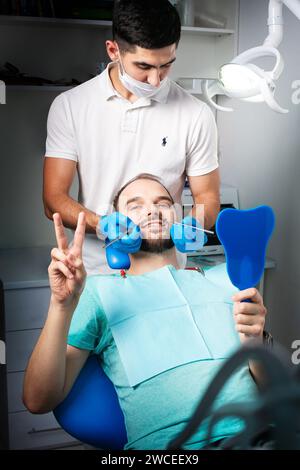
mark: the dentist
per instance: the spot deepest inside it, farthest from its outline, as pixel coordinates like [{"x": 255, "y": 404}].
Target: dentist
[{"x": 130, "y": 119}]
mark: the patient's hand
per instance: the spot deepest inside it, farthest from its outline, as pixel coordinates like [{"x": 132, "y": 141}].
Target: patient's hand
[
  {"x": 249, "y": 316},
  {"x": 66, "y": 271}
]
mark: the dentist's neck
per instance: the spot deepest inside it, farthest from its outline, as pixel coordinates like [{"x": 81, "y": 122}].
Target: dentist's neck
[{"x": 144, "y": 262}]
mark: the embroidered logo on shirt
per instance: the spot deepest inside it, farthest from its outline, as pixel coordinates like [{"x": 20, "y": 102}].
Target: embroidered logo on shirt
[{"x": 164, "y": 141}]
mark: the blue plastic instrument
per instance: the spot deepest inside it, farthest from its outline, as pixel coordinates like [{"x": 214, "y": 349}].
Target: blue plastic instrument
[
  {"x": 116, "y": 259},
  {"x": 244, "y": 235},
  {"x": 122, "y": 236}
]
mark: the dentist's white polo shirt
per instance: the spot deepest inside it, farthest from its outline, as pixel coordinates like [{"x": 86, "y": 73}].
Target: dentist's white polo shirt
[{"x": 112, "y": 140}]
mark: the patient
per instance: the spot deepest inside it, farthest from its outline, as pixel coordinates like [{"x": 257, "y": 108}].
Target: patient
[{"x": 161, "y": 333}]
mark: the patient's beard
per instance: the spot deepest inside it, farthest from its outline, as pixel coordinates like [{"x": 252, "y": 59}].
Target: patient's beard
[
  {"x": 160, "y": 244},
  {"x": 157, "y": 246}
]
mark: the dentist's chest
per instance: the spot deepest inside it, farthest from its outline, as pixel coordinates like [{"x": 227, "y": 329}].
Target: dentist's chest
[
  {"x": 156, "y": 136},
  {"x": 146, "y": 137}
]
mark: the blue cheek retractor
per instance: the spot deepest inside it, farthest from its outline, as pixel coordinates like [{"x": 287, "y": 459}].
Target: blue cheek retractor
[
  {"x": 118, "y": 245},
  {"x": 188, "y": 236},
  {"x": 116, "y": 259},
  {"x": 244, "y": 235},
  {"x": 184, "y": 239}
]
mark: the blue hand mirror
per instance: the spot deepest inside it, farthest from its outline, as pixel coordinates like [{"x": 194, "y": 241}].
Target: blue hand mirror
[{"x": 244, "y": 235}]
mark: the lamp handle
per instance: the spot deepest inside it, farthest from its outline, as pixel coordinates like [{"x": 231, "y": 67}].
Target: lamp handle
[{"x": 262, "y": 51}]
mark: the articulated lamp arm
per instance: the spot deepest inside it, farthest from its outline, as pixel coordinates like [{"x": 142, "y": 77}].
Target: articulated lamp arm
[{"x": 245, "y": 80}]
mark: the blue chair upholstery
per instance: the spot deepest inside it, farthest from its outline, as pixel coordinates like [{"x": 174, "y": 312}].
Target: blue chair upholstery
[{"x": 91, "y": 411}]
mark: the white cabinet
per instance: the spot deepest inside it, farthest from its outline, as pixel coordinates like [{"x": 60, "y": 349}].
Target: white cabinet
[
  {"x": 19, "y": 346},
  {"x": 19, "y": 311},
  {"x": 202, "y": 50},
  {"x": 26, "y": 300},
  {"x": 14, "y": 392},
  {"x": 27, "y": 431},
  {"x": 66, "y": 48}
]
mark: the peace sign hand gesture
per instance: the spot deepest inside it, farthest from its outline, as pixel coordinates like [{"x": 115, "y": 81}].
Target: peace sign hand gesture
[{"x": 66, "y": 271}]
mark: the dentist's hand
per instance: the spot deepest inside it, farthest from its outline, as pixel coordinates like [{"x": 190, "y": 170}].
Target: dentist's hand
[
  {"x": 114, "y": 225},
  {"x": 188, "y": 238},
  {"x": 249, "y": 316},
  {"x": 66, "y": 271}
]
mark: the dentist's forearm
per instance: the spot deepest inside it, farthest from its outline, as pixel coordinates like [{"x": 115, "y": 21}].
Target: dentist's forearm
[
  {"x": 69, "y": 209},
  {"x": 45, "y": 374},
  {"x": 206, "y": 211}
]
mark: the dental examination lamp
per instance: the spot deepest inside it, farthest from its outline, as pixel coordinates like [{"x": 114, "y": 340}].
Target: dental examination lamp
[{"x": 246, "y": 81}]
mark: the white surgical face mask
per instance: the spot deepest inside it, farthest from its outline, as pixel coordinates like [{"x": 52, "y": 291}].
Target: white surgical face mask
[{"x": 137, "y": 88}]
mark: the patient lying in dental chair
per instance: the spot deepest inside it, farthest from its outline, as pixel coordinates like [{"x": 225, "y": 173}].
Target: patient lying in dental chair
[{"x": 161, "y": 332}]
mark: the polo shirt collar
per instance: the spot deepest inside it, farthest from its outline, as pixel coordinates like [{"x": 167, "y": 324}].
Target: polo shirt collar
[{"x": 110, "y": 91}]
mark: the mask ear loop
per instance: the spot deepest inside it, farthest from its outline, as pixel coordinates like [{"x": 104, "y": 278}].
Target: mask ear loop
[
  {"x": 118, "y": 61},
  {"x": 121, "y": 66}
]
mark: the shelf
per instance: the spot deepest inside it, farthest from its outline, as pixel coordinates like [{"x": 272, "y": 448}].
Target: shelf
[
  {"x": 35, "y": 20},
  {"x": 213, "y": 260},
  {"x": 198, "y": 92},
  {"x": 209, "y": 31},
  {"x": 197, "y": 89},
  {"x": 30, "y": 20},
  {"x": 64, "y": 88},
  {"x": 60, "y": 88},
  {"x": 55, "y": 88},
  {"x": 194, "y": 91}
]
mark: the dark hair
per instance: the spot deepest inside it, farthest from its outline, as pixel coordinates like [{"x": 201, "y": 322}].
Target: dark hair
[
  {"x": 150, "y": 24},
  {"x": 141, "y": 176}
]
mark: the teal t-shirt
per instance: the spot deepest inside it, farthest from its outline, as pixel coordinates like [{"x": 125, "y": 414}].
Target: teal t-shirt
[{"x": 157, "y": 408}]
